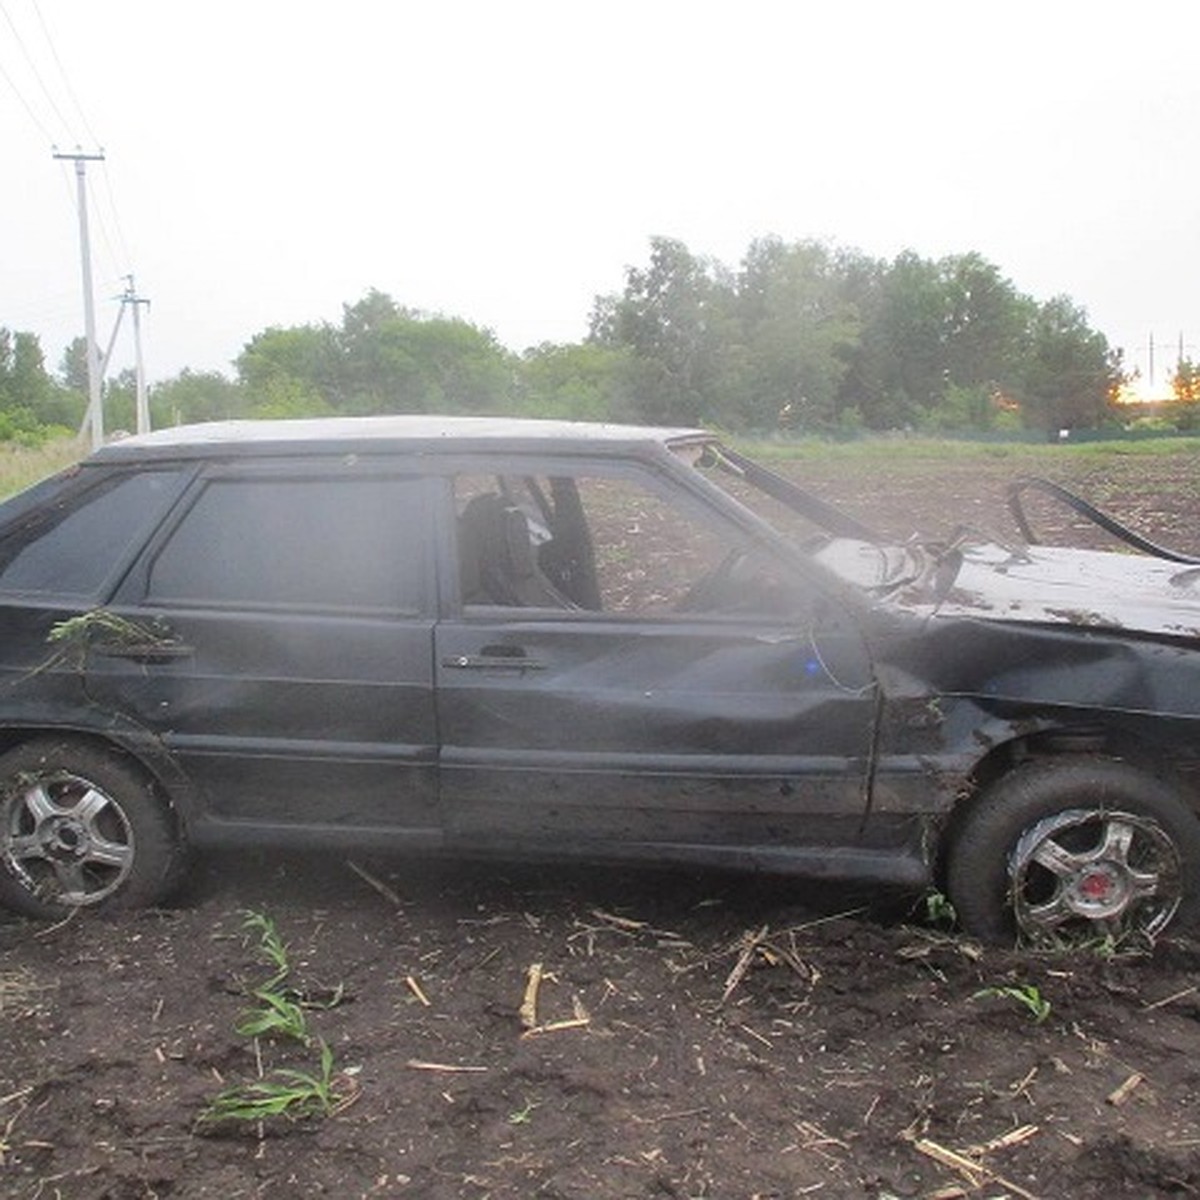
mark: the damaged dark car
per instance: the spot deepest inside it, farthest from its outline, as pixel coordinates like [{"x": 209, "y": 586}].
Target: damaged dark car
[{"x": 530, "y": 639}]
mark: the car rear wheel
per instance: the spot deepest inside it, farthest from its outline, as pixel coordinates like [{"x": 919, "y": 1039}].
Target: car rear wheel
[
  {"x": 1074, "y": 851},
  {"x": 81, "y": 827}
]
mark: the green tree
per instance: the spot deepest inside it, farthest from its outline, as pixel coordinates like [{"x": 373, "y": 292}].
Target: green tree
[
  {"x": 72, "y": 367},
  {"x": 797, "y": 332},
  {"x": 28, "y": 395},
  {"x": 302, "y": 354},
  {"x": 1072, "y": 374},
  {"x": 376, "y": 363},
  {"x": 861, "y": 393},
  {"x": 575, "y": 382},
  {"x": 987, "y": 327},
  {"x": 669, "y": 319},
  {"x": 951, "y": 345},
  {"x": 120, "y": 402},
  {"x": 194, "y": 396},
  {"x": 428, "y": 364},
  {"x": 908, "y": 340},
  {"x": 282, "y": 397},
  {"x": 1186, "y": 382},
  {"x": 382, "y": 359}
]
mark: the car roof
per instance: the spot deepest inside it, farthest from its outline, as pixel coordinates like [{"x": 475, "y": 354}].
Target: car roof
[{"x": 418, "y": 433}]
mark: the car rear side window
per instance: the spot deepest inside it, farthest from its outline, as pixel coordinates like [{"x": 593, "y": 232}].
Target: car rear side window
[
  {"x": 73, "y": 545},
  {"x": 335, "y": 544}
]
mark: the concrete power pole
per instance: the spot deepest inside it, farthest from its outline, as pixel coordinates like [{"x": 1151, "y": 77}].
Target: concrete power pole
[
  {"x": 95, "y": 413},
  {"x": 143, "y": 401},
  {"x": 143, "y": 405}
]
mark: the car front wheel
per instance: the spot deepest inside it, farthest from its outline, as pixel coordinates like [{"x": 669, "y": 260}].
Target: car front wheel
[
  {"x": 1073, "y": 851},
  {"x": 81, "y": 827}
]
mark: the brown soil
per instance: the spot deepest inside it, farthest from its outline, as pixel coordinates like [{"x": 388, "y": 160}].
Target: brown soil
[{"x": 697, "y": 1035}]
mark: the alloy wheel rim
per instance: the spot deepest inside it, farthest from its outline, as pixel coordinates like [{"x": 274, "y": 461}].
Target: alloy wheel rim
[
  {"x": 1096, "y": 872},
  {"x": 66, "y": 840}
]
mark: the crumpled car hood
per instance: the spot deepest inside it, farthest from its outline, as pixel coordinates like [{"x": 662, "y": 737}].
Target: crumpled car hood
[{"x": 1039, "y": 584}]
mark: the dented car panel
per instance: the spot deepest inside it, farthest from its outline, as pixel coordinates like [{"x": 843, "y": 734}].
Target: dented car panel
[
  {"x": 545, "y": 639},
  {"x": 967, "y": 688},
  {"x": 699, "y": 734}
]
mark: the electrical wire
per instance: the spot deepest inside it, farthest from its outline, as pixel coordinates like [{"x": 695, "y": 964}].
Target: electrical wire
[
  {"x": 114, "y": 239},
  {"x": 64, "y": 124},
  {"x": 122, "y": 244},
  {"x": 16, "y": 91},
  {"x": 114, "y": 260},
  {"x": 107, "y": 218},
  {"x": 63, "y": 75}
]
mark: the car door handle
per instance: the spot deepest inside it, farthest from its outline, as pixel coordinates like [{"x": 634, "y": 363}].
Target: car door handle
[
  {"x": 143, "y": 652},
  {"x": 492, "y": 661}
]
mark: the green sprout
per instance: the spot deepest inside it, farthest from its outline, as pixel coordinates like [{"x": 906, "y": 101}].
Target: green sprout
[
  {"x": 1027, "y": 995},
  {"x": 276, "y": 1016},
  {"x": 270, "y": 946},
  {"x": 939, "y": 910},
  {"x": 283, "y": 1093},
  {"x": 522, "y": 1116}
]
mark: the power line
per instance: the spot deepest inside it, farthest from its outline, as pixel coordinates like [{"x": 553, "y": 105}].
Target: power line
[
  {"x": 114, "y": 259},
  {"x": 63, "y": 122},
  {"x": 63, "y": 75},
  {"x": 122, "y": 244},
  {"x": 119, "y": 253},
  {"x": 112, "y": 240},
  {"x": 25, "y": 103}
]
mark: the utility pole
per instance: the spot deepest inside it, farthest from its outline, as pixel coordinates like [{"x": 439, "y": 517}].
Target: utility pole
[
  {"x": 143, "y": 405},
  {"x": 129, "y": 297},
  {"x": 95, "y": 411}
]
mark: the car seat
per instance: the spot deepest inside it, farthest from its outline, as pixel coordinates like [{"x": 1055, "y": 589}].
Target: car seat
[{"x": 497, "y": 560}]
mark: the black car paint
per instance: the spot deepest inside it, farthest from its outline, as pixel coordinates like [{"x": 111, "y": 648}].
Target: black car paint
[{"x": 835, "y": 744}]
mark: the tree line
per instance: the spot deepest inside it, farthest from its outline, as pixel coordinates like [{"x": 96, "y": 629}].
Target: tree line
[{"x": 800, "y": 336}]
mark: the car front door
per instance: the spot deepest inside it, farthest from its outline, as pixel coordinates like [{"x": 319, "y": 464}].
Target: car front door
[
  {"x": 656, "y": 685},
  {"x": 288, "y": 662}
]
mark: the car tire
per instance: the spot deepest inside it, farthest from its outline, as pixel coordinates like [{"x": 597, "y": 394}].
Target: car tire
[
  {"x": 1068, "y": 852},
  {"x": 82, "y": 826}
]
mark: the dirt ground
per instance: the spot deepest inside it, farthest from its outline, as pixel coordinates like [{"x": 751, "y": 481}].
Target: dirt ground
[{"x": 692, "y": 1035}]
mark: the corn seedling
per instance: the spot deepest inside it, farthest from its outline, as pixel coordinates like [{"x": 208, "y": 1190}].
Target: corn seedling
[
  {"x": 275, "y": 1016},
  {"x": 283, "y": 1093},
  {"x": 939, "y": 910},
  {"x": 522, "y": 1116},
  {"x": 271, "y": 946},
  {"x": 1027, "y": 995}
]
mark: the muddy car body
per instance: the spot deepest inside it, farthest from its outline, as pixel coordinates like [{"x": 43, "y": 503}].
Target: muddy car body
[{"x": 526, "y": 638}]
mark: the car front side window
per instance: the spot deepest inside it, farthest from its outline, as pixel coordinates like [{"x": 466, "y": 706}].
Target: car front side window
[{"x": 610, "y": 543}]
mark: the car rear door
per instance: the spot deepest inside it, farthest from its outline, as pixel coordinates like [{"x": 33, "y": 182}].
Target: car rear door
[{"x": 291, "y": 677}]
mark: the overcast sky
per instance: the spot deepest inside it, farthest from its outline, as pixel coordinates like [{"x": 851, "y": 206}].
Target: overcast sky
[{"x": 504, "y": 161}]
